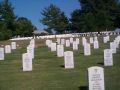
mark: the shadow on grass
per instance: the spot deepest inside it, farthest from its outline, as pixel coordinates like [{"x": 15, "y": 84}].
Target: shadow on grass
[
  {"x": 62, "y": 66},
  {"x": 81, "y": 53},
  {"x": 55, "y": 54},
  {"x": 101, "y": 63},
  {"x": 83, "y": 87}
]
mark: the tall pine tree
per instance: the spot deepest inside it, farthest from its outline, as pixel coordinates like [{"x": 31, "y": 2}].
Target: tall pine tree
[{"x": 54, "y": 19}]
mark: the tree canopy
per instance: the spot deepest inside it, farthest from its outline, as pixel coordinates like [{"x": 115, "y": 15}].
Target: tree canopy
[
  {"x": 10, "y": 24},
  {"x": 54, "y": 19},
  {"x": 24, "y": 27},
  {"x": 96, "y": 15}
]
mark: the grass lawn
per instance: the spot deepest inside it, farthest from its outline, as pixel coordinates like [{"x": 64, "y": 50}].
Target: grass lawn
[{"x": 49, "y": 72}]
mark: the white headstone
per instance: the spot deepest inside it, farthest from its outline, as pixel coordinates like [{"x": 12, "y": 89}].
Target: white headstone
[
  {"x": 67, "y": 43},
  {"x": 104, "y": 39},
  {"x": 77, "y": 41},
  {"x": 75, "y": 45},
  {"x": 1, "y": 53},
  {"x": 7, "y": 49},
  {"x": 95, "y": 38},
  {"x": 113, "y": 47},
  {"x": 68, "y": 59},
  {"x": 96, "y": 45},
  {"x": 71, "y": 40},
  {"x": 60, "y": 50},
  {"x": 84, "y": 41},
  {"x": 30, "y": 50},
  {"x": 53, "y": 47},
  {"x": 91, "y": 40},
  {"x": 62, "y": 41},
  {"x": 48, "y": 43},
  {"x": 108, "y": 38},
  {"x": 96, "y": 78},
  {"x": 87, "y": 49},
  {"x": 58, "y": 40},
  {"x": 32, "y": 42},
  {"x": 108, "y": 57},
  {"x": 13, "y": 45},
  {"x": 27, "y": 62}
]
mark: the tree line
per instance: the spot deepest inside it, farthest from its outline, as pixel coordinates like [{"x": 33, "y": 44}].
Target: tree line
[
  {"x": 93, "y": 16},
  {"x": 12, "y": 25}
]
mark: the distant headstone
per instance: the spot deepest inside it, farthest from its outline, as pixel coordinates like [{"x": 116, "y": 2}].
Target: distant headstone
[
  {"x": 113, "y": 47},
  {"x": 30, "y": 50},
  {"x": 108, "y": 38},
  {"x": 62, "y": 41},
  {"x": 32, "y": 42},
  {"x": 95, "y": 38},
  {"x": 96, "y": 45},
  {"x": 53, "y": 47},
  {"x": 68, "y": 59},
  {"x": 77, "y": 41},
  {"x": 84, "y": 41},
  {"x": 96, "y": 78},
  {"x": 48, "y": 43},
  {"x": 104, "y": 39},
  {"x": 1, "y": 53},
  {"x": 75, "y": 45},
  {"x": 27, "y": 62},
  {"x": 71, "y": 40},
  {"x": 87, "y": 49},
  {"x": 7, "y": 49},
  {"x": 13, "y": 45},
  {"x": 58, "y": 40},
  {"x": 60, "y": 50},
  {"x": 91, "y": 40},
  {"x": 108, "y": 57},
  {"x": 67, "y": 43}
]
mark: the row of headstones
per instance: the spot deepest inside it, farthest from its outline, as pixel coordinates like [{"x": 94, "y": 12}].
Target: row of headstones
[
  {"x": 67, "y": 35},
  {"x": 7, "y": 49},
  {"x": 68, "y": 55},
  {"x": 77, "y": 35},
  {"x": 28, "y": 57},
  {"x": 22, "y": 38},
  {"x": 108, "y": 53},
  {"x": 61, "y": 42},
  {"x": 95, "y": 74}
]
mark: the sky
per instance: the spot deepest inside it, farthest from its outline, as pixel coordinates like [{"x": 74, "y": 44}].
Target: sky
[{"x": 32, "y": 9}]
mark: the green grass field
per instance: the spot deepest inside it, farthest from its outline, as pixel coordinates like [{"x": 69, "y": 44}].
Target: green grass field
[{"x": 49, "y": 72}]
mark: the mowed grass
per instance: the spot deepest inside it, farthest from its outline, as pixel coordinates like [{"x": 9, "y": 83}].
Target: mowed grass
[{"x": 49, "y": 72}]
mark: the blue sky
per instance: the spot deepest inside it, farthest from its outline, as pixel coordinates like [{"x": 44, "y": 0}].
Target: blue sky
[{"x": 31, "y": 8}]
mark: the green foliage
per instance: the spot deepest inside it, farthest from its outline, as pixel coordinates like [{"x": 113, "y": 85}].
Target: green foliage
[
  {"x": 10, "y": 25},
  {"x": 7, "y": 15},
  {"x": 54, "y": 19},
  {"x": 24, "y": 27},
  {"x": 96, "y": 15}
]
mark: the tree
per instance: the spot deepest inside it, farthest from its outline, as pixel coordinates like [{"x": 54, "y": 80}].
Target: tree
[
  {"x": 7, "y": 18},
  {"x": 117, "y": 19},
  {"x": 10, "y": 25},
  {"x": 96, "y": 15},
  {"x": 54, "y": 19},
  {"x": 7, "y": 15},
  {"x": 24, "y": 27}
]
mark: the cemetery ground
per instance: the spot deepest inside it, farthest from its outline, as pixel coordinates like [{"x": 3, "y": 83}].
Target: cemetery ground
[{"x": 48, "y": 70}]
